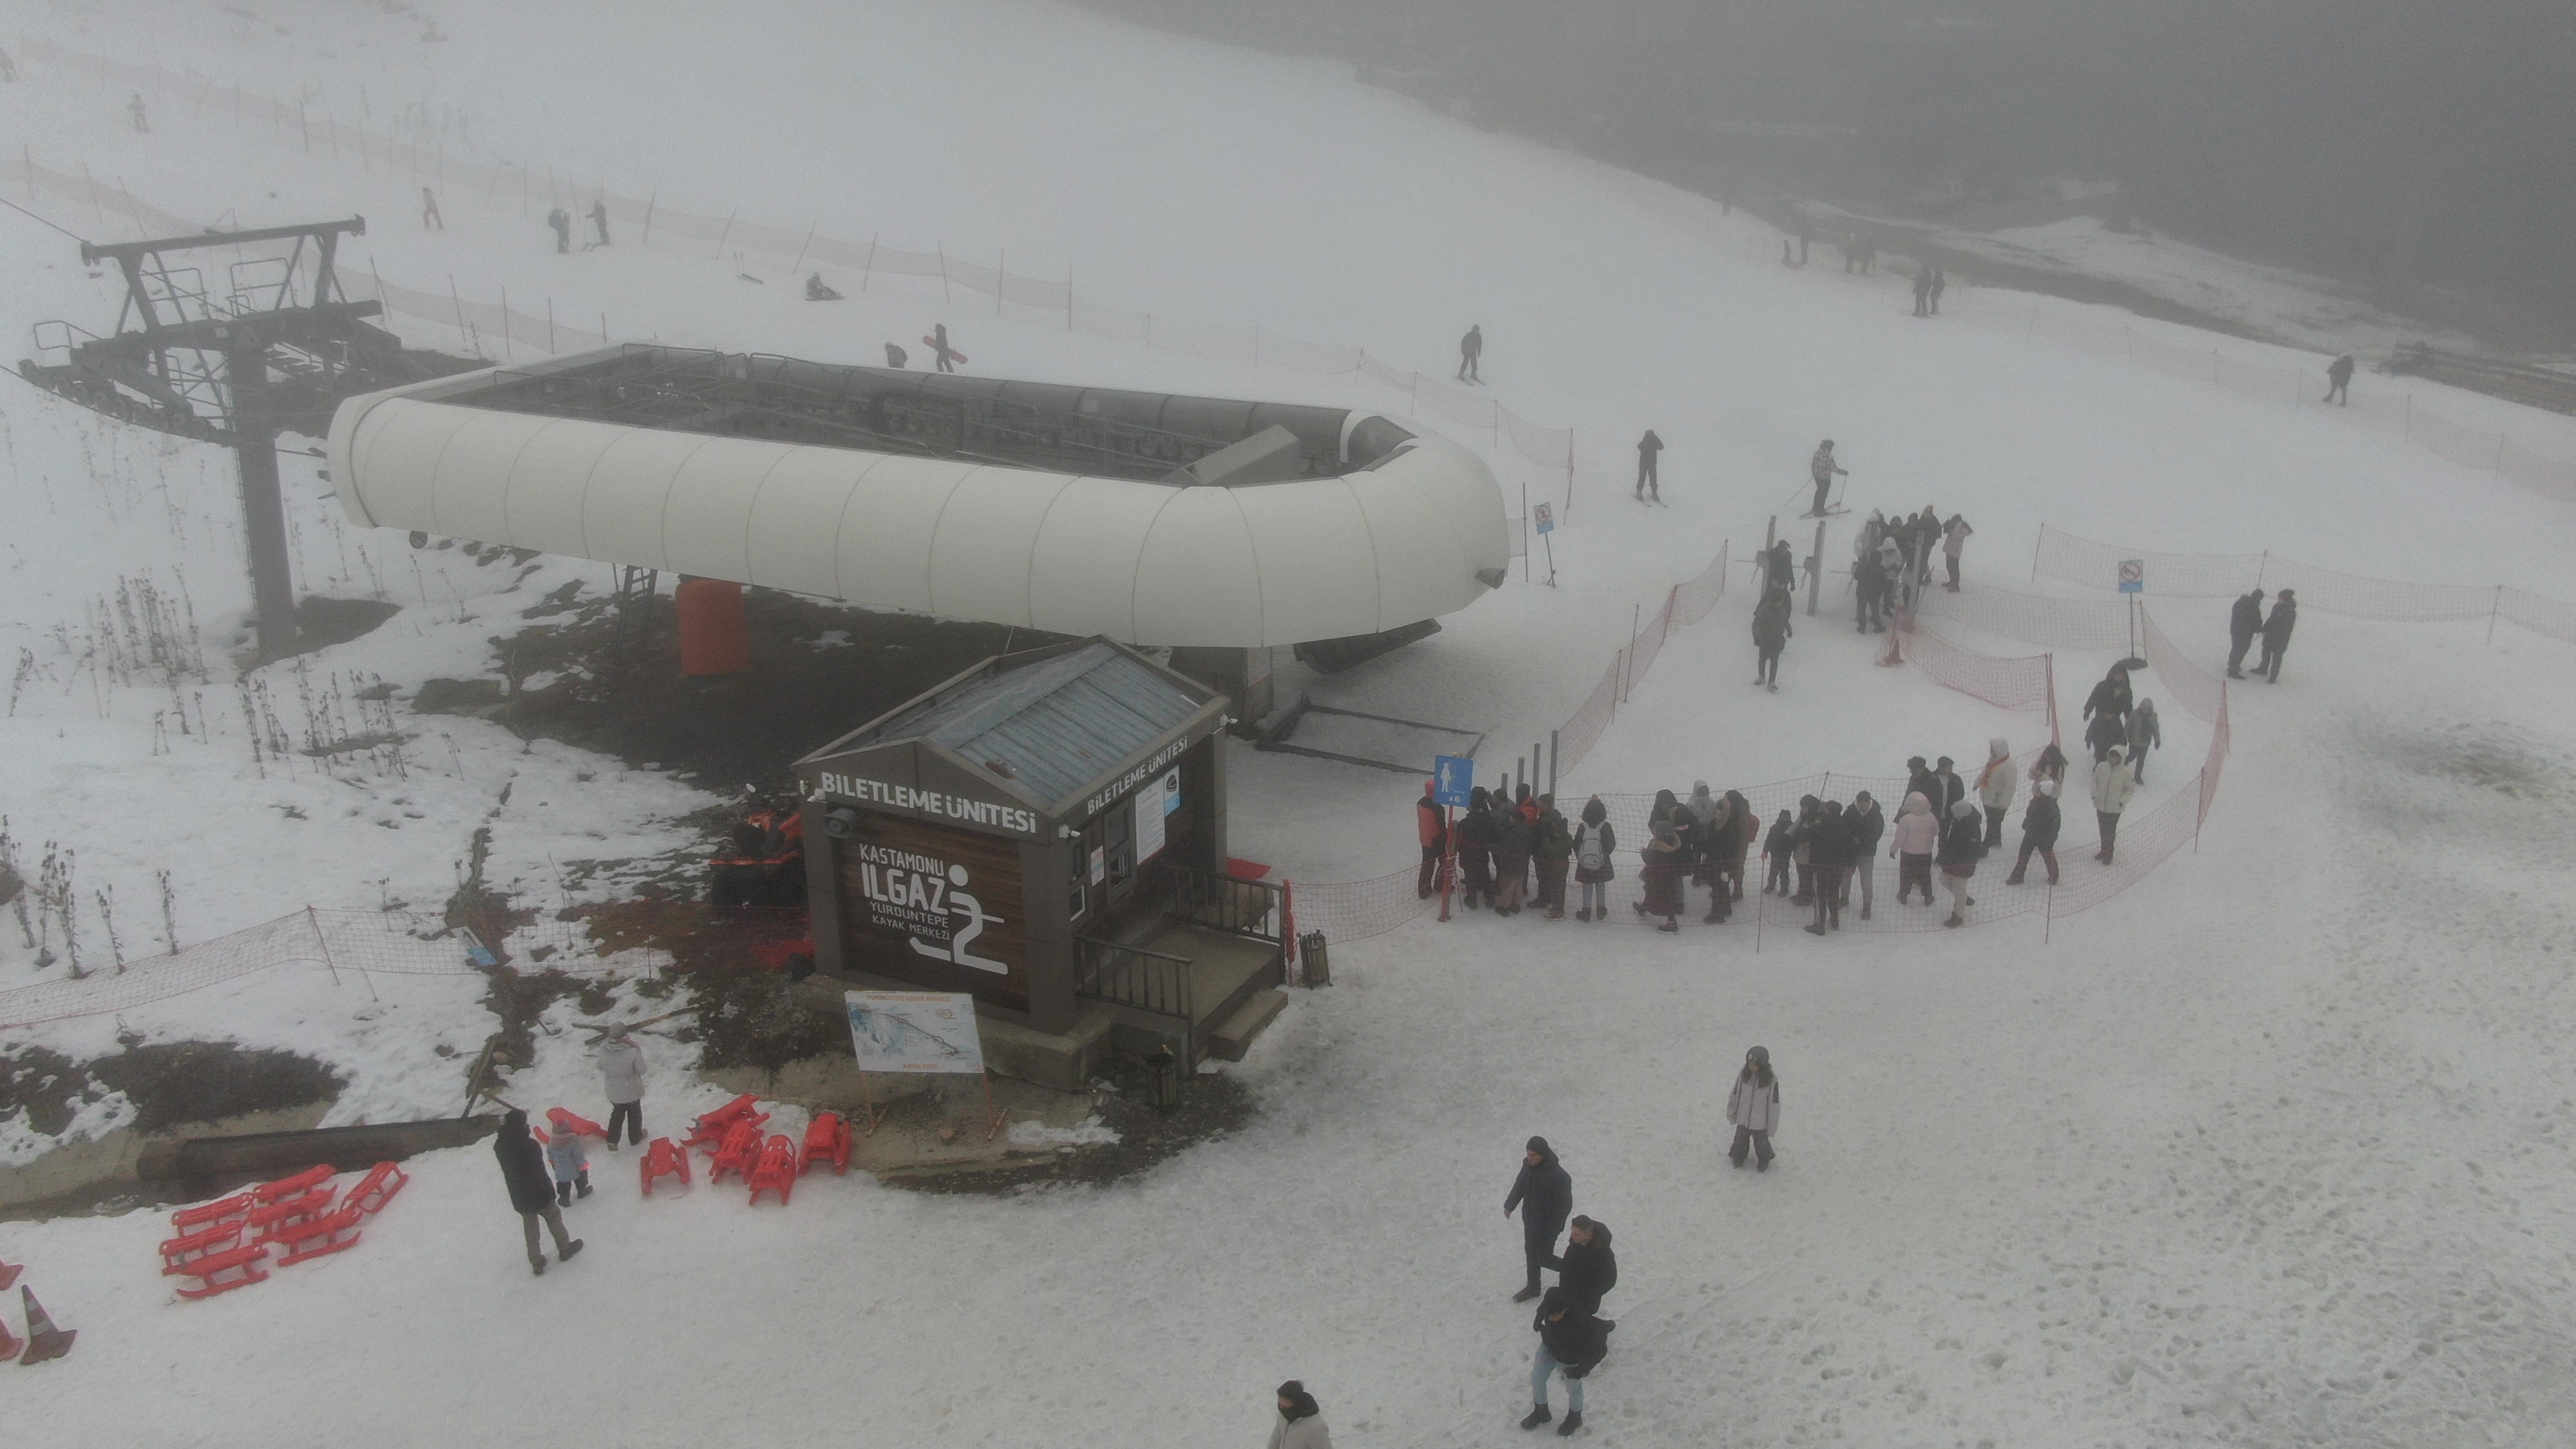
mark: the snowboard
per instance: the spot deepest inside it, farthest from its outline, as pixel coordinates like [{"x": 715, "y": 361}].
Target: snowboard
[{"x": 933, "y": 344}]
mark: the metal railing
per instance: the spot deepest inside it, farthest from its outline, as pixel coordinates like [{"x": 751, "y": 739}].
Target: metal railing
[
  {"x": 1145, "y": 980},
  {"x": 1228, "y": 903}
]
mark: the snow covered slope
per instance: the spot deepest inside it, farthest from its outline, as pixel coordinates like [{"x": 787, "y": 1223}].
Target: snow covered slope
[{"x": 2268, "y": 1151}]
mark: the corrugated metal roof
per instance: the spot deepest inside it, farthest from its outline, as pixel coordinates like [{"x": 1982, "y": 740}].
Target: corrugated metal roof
[{"x": 1055, "y": 726}]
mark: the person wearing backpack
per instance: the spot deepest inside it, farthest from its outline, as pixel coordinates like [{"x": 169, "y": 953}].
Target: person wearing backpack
[
  {"x": 1593, "y": 844},
  {"x": 1555, "y": 847},
  {"x": 1513, "y": 841},
  {"x": 1431, "y": 823},
  {"x": 1778, "y": 848}
]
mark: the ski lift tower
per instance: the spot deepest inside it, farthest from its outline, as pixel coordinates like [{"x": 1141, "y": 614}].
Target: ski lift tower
[{"x": 275, "y": 351}]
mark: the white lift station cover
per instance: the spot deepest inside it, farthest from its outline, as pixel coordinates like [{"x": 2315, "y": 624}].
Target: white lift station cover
[{"x": 1074, "y": 510}]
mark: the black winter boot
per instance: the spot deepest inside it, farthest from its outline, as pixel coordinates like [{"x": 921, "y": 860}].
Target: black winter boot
[
  {"x": 1537, "y": 1415},
  {"x": 563, "y": 1194},
  {"x": 1526, "y": 1294},
  {"x": 1573, "y": 1421}
]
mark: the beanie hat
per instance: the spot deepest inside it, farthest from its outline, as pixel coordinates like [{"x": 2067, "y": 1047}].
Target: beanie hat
[
  {"x": 1538, "y": 1145},
  {"x": 1294, "y": 1388},
  {"x": 1759, "y": 1054}
]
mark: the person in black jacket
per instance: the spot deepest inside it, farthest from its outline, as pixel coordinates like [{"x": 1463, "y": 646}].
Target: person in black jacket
[
  {"x": 1919, "y": 781},
  {"x": 1963, "y": 840},
  {"x": 1867, "y": 824},
  {"x": 2244, "y": 621},
  {"x": 1648, "y": 449},
  {"x": 1829, "y": 853},
  {"x": 1948, "y": 788},
  {"x": 1546, "y": 1191},
  {"x": 1588, "y": 1269},
  {"x": 2038, "y": 831},
  {"x": 532, "y": 1189},
  {"x": 2108, "y": 709},
  {"x": 2276, "y": 636},
  {"x": 1513, "y": 840},
  {"x": 1569, "y": 1339},
  {"x": 1475, "y": 844}
]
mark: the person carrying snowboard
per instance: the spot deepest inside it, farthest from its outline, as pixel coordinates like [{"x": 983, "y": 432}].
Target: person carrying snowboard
[
  {"x": 939, "y": 348},
  {"x": 1822, "y": 469},
  {"x": 1471, "y": 350},
  {"x": 1647, "y": 447}
]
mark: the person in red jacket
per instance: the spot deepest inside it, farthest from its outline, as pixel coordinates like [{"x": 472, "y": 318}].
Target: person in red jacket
[{"x": 1431, "y": 823}]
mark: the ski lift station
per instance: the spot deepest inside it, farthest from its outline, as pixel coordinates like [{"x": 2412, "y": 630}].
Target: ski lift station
[
  {"x": 1149, "y": 519},
  {"x": 1047, "y": 829}
]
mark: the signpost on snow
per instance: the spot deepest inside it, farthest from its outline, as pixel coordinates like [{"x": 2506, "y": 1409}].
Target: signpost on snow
[
  {"x": 1453, "y": 783},
  {"x": 2133, "y": 586},
  {"x": 917, "y": 1032},
  {"x": 1545, "y": 517}
]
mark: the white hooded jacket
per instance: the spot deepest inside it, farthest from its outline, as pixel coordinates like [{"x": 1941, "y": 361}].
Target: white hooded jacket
[
  {"x": 1915, "y": 832},
  {"x": 2001, "y": 779},
  {"x": 2113, "y": 784}
]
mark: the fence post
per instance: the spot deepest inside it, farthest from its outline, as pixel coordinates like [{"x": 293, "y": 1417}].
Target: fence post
[
  {"x": 505, "y": 324},
  {"x": 320, "y": 943},
  {"x": 1001, "y": 282},
  {"x": 944, "y": 294},
  {"x": 870, "y": 269},
  {"x": 1618, "y": 672},
  {"x": 550, "y": 326},
  {"x": 2036, "y": 545},
  {"x": 646, "y": 239},
  {"x": 723, "y": 236},
  {"x": 1569, "y": 472},
  {"x": 1525, "y": 531},
  {"x": 2048, "y": 915},
  {"x": 1551, "y": 762},
  {"x": 460, "y": 308},
  {"x": 1068, "y": 296},
  {"x": 2494, "y": 609},
  {"x": 801, "y": 248}
]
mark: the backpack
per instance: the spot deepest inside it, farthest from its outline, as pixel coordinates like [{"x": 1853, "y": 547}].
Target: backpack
[{"x": 1589, "y": 852}]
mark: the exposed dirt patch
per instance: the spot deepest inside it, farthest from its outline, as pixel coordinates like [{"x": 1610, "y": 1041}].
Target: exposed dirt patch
[
  {"x": 818, "y": 671},
  {"x": 322, "y": 622},
  {"x": 1212, "y": 1105},
  {"x": 171, "y": 1084},
  {"x": 48, "y": 1085},
  {"x": 760, "y": 1021}
]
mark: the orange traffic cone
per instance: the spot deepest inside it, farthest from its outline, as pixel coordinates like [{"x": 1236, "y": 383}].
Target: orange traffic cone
[
  {"x": 9, "y": 1275},
  {"x": 44, "y": 1341},
  {"x": 9, "y": 1346}
]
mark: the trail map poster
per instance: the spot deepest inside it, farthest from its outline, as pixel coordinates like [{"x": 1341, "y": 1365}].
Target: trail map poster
[
  {"x": 934, "y": 906},
  {"x": 914, "y": 1031}
]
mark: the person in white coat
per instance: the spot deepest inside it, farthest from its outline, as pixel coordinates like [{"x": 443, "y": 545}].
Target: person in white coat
[
  {"x": 1911, "y": 845},
  {"x": 2112, "y": 787},
  {"x": 1301, "y": 1422},
  {"x": 621, "y": 1072},
  {"x": 1754, "y": 1108},
  {"x": 1997, "y": 784}
]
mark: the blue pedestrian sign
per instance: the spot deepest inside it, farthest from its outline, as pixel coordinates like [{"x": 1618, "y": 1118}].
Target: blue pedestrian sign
[
  {"x": 2133, "y": 576},
  {"x": 1546, "y": 517},
  {"x": 1453, "y": 779}
]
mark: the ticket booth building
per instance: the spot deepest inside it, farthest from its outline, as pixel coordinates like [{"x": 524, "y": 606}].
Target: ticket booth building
[{"x": 1045, "y": 831}]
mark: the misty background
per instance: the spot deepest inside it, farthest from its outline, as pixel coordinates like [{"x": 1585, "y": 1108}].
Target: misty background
[{"x": 2423, "y": 151}]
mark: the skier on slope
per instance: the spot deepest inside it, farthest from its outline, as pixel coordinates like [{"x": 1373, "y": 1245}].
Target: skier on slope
[
  {"x": 1822, "y": 468},
  {"x": 1544, "y": 1190},
  {"x": 2244, "y": 622},
  {"x": 532, "y": 1193},
  {"x": 1771, "y": 631},
  {"x": 2339, "y": 381},
  {"x": 599, "y": 217},
  {"x": 1471, "y": 351},
  {"x": 1754, "y": 1108},
  {"x": 1301, "y": 1420},
  {"x": 561, "y": 221},
  {"x": 1997, "y": 783},
  {"x": 1647, "y": 449}
]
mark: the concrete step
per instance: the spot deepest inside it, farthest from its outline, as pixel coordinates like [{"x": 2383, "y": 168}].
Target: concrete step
[{"x": 1232, "y": 1037}]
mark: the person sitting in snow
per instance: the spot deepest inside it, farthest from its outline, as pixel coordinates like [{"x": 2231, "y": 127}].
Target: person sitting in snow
[{"x": 817, "y": 291}]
